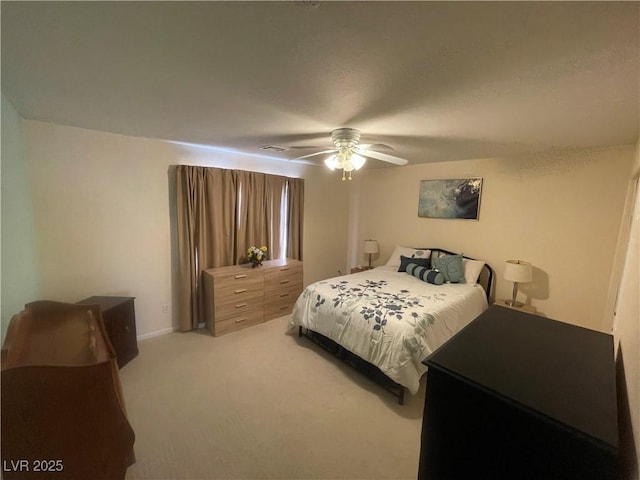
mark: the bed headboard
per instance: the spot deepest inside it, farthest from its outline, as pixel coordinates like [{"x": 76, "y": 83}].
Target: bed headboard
[{"x": 486, "y": 275}]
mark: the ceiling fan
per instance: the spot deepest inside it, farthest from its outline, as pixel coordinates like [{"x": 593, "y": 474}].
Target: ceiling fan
[{"x": 349, "y": 154}]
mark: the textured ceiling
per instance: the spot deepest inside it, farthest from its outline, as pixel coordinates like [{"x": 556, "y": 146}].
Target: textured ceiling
[{"x": 434, "y": 81}]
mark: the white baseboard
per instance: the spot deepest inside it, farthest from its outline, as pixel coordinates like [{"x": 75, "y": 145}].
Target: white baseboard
[{"x": 157, "y": 333}]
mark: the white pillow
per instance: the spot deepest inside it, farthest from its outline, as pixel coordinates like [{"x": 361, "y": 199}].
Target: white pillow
[
  {"x": 394, "y": 259},
  {"x": 472, "y": 269}
]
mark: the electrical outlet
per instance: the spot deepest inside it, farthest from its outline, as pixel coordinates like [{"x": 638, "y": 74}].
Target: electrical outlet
[{"x": 165, "y": 308}]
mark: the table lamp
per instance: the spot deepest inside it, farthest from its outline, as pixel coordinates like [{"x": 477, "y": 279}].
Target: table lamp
[
  {"x": 370, "y": 247},
  {"x": 517, "y": 271}
]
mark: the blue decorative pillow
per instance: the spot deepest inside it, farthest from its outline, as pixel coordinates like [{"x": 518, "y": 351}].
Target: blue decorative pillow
[
  {"x": 404, "y": 261},
  {"x": 424, "y": 274},
  {"x": 451, "y": 267}
]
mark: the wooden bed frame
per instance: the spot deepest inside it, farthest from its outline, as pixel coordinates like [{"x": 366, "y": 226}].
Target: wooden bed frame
[{"x": 485, "y": 279}]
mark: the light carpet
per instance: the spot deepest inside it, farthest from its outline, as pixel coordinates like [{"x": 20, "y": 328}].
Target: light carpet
[{"x": 263, "y": 404}]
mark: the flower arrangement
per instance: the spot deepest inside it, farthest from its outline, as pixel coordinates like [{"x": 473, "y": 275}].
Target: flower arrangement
[{"x": 256, "y": 255}]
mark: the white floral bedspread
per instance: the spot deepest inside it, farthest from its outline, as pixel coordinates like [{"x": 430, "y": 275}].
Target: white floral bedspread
[{"x": 388, "y": 318}]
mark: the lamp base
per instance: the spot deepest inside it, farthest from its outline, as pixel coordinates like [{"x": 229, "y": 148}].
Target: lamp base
[{"x": 513, "y": 303}]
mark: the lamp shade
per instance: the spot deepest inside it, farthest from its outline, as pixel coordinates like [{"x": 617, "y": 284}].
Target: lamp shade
[
  {"x": 358, "y": 161},
  {"x": 370, "y": 246},
  {"x": 331, "y": 162},
  {"x": 518, "y": 271}
]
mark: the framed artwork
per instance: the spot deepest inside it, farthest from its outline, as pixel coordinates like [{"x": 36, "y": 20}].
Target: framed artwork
[{"x": 457, "y": 198}]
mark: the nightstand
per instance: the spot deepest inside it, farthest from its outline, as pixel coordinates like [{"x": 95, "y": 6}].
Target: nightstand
[
  {"x": 524, "y": 308},
  {"x": 360, "y": 269},
  {"x": 119, "y": 317}
]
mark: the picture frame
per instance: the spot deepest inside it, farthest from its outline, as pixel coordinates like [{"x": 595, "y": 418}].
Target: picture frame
[{"x": 454, "y": 198}]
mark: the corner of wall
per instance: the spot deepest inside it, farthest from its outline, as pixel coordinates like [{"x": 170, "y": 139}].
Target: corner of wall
[
  {"x": 621, "y": 244},
  {"x": 19, "y": 278}
]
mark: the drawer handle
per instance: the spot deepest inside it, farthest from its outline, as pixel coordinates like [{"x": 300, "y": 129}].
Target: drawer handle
[
  {"x": 284, "y": 307},
  {"x": 239, "y": 320},
  {"x": 244, "y": 275},
  {"x": 282, "y": 282},
  {"x": 284, "y": 269},
  {"x": 240, "y": 305},
  {"x": 126, "y": 328},
  {"x": 282, "y": 295},
  {"x": 241, "y": 290}
]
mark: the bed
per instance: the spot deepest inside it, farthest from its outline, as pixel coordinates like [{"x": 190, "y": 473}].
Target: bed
[{"x": 387, "y": 320}]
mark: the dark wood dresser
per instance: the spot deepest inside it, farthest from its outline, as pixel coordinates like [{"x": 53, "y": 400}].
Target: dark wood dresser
[
  {"x": 518, "y": 396},
  {"x": 118, "y": 314},
  {"x": 63, "y": 411}
]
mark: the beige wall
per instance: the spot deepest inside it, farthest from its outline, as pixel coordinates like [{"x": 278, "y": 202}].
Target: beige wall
[
  {"x": 104, "y": 222},
  {"x": 626, "y": 332},
  {"x": 20, "y": 276},
  {"x": 561, "y": 212}
]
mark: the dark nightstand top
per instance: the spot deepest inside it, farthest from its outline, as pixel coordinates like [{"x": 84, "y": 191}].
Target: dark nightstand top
[
  {"x": 105, "y": 302},
  {"x": 559, "y": 371}
]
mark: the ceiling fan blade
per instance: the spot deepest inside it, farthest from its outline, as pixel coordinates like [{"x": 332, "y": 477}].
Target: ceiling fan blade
[
  {"x": 382, "y": 156},
  {"x": 375, "y": 146},
  {"x": 306, "y": 147},
  {"x": 314, "y": 154}
]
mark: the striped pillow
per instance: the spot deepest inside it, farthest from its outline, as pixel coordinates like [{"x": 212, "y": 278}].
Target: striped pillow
[
  {"x": 404, "y": 261},
  {"x": 424, "y": 274}
]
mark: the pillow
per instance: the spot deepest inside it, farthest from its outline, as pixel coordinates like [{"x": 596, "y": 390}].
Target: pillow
[
  {"x": 451, "y": 267},
  {"x": 424, "y": 274},
  {"x": 394, "y": 259},
  {"x": 404, "y": 261},
  {"x": 472, "y": 269}
]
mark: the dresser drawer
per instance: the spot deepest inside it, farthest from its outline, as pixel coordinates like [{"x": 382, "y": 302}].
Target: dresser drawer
[
  {"x": 241, "y": 306},
  {"x": 230, "y": 292},
  {"x": 289, "y": 294},
  {"x": 238, "y": 322},
  {"x": 283, "y": 277},
  {"x": 232, "y": 280},
  {"x": 280, "y": 302},
  {"x": 279, "y": 307}
]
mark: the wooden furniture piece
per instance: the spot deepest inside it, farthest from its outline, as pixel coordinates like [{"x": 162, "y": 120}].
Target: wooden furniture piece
[
  {"x": 515, "y": 395},
  {"x": 63, "y": 412},
  {"x": 239, "y": 296},
  {"x": 119, "y": 316}
]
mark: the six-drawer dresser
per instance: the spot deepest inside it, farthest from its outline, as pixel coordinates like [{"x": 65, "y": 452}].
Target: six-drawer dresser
[{"x": 238, "y": 296}]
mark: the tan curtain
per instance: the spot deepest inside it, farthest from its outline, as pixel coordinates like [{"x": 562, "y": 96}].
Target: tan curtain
[
  {"x": 251, "y": 228},
  {"x": 274, "y": 194},
  {"x": 220, "y": 214},
  {"x": 187, "y": 265},
  {"x": 205, "y": 208},
  {"x": 295, "y": 213}
]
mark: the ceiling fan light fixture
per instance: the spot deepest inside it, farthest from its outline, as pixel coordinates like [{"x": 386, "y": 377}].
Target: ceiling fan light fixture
[
  {"x": 331, "y": 162},
  {"x": 348, "y": 155},
  {"x": 358, "y": 161},
  {"x": 346, "y": 160}
]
